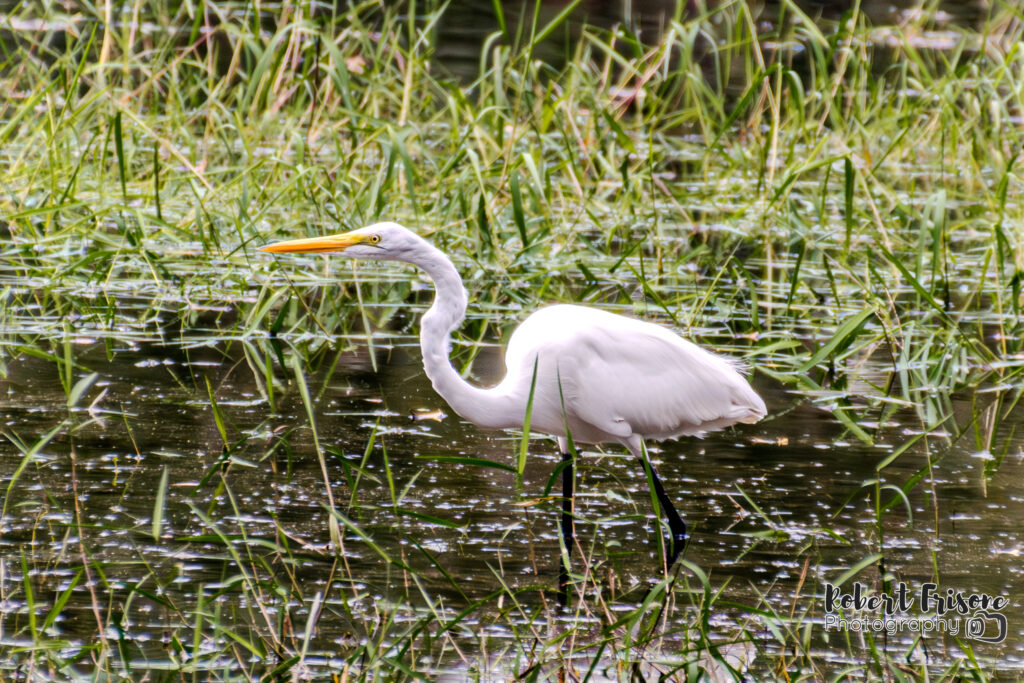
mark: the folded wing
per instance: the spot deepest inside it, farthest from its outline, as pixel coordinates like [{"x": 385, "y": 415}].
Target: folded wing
[{"x": 625, "y": 376}]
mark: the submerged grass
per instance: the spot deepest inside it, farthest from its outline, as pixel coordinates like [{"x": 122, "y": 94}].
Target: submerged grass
[{"x": 834, "y": 200}]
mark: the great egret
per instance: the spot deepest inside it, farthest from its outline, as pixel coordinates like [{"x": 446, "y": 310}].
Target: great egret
[{"x": 605, "y": 377}]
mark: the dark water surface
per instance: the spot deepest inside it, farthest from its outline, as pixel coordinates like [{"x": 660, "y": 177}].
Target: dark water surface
[
  {"x": 466, "y": 24},
  {"x": 149, "y": 411}
]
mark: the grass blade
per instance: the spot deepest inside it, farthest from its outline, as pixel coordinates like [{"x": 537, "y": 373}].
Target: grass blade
[{"x": 159, "y": 506}]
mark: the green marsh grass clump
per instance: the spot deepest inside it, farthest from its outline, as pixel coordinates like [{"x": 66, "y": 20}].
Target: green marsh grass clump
[{"x": 834, "y": 201}]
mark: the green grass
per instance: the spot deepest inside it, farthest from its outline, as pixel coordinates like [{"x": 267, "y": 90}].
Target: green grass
[{"x": 835, "y": 202}]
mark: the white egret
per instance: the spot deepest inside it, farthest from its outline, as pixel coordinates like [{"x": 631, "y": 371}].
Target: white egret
[{"x": 604, "y": 377}]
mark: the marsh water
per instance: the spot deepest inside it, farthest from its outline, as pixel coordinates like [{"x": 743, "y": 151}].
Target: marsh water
[
  {"x": 755, "y": 497},
  {"x": 466, "y": 25},
  {"x": 160, "y": 451}
]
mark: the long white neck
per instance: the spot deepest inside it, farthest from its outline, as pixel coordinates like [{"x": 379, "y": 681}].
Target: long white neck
[{"x": 483, "y": 407}]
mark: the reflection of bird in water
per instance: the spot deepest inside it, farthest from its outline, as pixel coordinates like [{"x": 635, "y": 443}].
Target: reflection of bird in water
[{"x": 591, "y": 375}]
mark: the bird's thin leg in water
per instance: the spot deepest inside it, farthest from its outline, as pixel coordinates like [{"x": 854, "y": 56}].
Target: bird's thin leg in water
[
  {"x": 568, "y": 528},
  {"x": 675, "y": 523}
]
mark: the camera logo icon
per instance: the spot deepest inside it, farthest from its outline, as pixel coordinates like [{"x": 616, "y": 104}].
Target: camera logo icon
[{"x": 988, "y": 627}]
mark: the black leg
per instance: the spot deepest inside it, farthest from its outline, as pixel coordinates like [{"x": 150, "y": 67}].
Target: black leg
[
  {"x": 675, "y": 523},
  {"x": 568, "y": 531}
]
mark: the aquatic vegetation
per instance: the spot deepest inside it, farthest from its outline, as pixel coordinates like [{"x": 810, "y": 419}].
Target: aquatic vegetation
[{"x": 208, "y": 466}]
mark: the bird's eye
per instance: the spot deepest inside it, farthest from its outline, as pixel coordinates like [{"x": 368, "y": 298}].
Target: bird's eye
[{"x": 374, "y": 239}]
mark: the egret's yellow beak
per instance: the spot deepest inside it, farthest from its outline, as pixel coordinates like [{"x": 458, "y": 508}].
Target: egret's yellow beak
[{"x": 315, "y": 245}]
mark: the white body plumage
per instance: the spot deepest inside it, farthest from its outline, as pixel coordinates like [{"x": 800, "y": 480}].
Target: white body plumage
[{"x": 621, "y": 378}]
